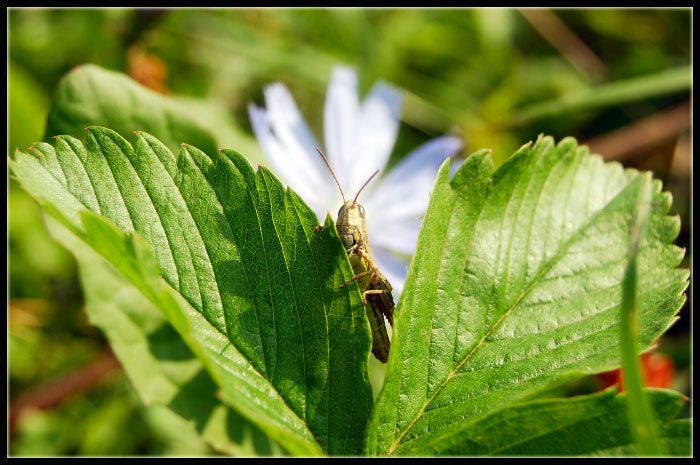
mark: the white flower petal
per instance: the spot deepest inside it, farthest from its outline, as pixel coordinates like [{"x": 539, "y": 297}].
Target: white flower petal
[
  {"x": 426, "y": 158},
  {"x": 282, "y": 159},
  {"x": 403, "y": 202},
  {"x": 394, "y": 235},
  {"x": 378, "y": 128},
  {"x": 294, "y": 135},
  {"x": 340, "y": 117},
  {"x": 404, "y": 193},
  {"x": 393, "y": 268}
]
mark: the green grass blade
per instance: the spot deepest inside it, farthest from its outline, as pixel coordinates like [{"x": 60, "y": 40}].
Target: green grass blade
[
  {"x": 604, "y": 95},
  {"x": 641, "y": 418}
]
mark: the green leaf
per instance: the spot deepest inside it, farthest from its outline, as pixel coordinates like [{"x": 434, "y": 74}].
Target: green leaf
[
  {"x": 233, "y": 261},
  {"x": 160, "y": 366},
  {"x": 585, "y": 425},
  {"x": 92, "y": 96},
  {"x": 676, "y": 437},
  {"x": 515, "y": 286}
]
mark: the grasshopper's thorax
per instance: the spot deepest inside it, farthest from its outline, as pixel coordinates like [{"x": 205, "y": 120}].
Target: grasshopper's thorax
[{"x": 351, "y": 224}]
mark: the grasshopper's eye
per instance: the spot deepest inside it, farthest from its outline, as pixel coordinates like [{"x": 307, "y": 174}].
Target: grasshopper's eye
[{"x": 362, "y": 211}]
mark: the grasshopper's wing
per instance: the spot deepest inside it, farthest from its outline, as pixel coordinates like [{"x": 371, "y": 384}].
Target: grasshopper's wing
[
  {"x": 380, "y": 306},
  {"x": 385, "y": 301},
  {"x": 380, "y": 338}
]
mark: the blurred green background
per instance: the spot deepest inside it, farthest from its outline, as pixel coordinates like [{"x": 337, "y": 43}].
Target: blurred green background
[{"x": 618, "y": 80}]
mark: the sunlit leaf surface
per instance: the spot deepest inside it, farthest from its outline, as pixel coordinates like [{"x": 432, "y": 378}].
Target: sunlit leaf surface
[
  {"x": 516, "y": 286},
  {"x": 232, "y": 259}
]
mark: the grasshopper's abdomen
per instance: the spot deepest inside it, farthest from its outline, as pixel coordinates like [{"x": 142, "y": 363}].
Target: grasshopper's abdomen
[{"x": 380, "y": 339}]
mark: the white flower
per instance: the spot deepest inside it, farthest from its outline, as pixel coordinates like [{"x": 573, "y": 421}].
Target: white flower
[{"x": 359, "y": 138}]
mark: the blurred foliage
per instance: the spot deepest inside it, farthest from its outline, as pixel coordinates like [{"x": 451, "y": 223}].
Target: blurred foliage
[
  {"x": 490, "y": 75},
  {"x": 110, "y": 421}
]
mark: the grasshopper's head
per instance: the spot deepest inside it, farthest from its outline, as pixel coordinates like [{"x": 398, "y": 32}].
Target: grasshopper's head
[
  {"x": 351, "y": 214},
  {"x": 351, "y": 223}
]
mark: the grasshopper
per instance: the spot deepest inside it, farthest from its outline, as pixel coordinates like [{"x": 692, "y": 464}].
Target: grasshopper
[{"x": 375, "y": 288}]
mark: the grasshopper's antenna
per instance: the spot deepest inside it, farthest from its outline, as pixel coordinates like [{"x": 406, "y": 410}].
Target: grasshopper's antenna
[
  {"x": 331, "y": 170},
  {"x": 363, "y": 186}
]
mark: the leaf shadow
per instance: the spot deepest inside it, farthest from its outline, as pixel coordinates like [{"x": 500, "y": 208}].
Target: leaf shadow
[
  {"x": 165, "y": 344},
  {"x": 196, "y": 399}
]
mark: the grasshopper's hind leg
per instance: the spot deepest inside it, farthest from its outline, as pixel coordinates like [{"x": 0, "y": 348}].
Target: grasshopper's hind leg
[{"x": 373, "y": 291}]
